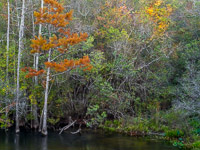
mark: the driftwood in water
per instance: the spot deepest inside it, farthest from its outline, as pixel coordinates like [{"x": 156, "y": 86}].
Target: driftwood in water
[
  {"x": 78, "y": 131},
  {"x": 67, "y": 126}
]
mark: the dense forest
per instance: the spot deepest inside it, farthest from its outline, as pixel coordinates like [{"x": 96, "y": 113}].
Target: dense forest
[{"x": 129, "y": 66}]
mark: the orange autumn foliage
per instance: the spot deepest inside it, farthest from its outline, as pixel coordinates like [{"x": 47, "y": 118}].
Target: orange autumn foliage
[
  {"x": 70, "y": 64},
  {"x": 32, "y": 72},
  {"x": 53, "y": 14}
]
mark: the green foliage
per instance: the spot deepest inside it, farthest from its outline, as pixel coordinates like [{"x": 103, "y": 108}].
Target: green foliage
[
  {"x": 5, "y": 122},
  {"x": 196, "y": 144},
  {"x": 195, "y": 123},
  {"x": 97, "y": 117},
  {"x": 53, "y": 121},
  {"x": 179, "y": 144},
  {"x": 98, "y": 62},
  {"x": 108, "y": 123},
  {"x": 88, "y": 44},
  {"x": 134, "y": 126},
  {"x": 174, "y": 133},
  {"x": 114, "y": 35},
  {"x": 175, "y": 119},
  {"x": 105, "y": 89}
]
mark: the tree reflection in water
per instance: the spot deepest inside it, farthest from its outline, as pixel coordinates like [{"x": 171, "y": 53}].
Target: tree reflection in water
[{"x": 87, "y": 141}]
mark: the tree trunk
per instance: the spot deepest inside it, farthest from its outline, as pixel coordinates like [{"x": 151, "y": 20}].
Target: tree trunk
[
  {"x": 21, "y": 31},
  {"x": 37, "y": 54},
  {"x": 41, "y": 119},
  {"x": 36, "y": 62},
  {"x": 36, "y": 123},
  {"x": 44, "y": 128},
  {"x": 7, "y": 57},
  {"x": 8, "y": 42}
]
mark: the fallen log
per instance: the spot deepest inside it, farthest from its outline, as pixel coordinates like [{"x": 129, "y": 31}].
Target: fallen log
[{"x": 67, "y": 126}]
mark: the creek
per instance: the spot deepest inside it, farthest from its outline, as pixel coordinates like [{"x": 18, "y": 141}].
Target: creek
[{"x": 88, "y": 140}]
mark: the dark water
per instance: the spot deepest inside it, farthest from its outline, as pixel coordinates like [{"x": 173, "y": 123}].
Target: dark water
[{"x": 87, "y": 141}]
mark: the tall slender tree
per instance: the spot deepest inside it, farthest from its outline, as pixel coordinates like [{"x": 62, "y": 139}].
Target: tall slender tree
[
  {"x": 21, "y": 34},
  {"x": 8, "y": 41},
  {"x": 36, "y": 62},
  {"x": 54, "y": 17},
  {"x": 7, "y": 53}
]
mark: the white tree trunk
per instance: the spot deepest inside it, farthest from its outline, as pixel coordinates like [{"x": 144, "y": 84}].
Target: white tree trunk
[
  {"x": 33, "y": 111},
  {"x": 7, "y": 56},
  {"x": 8, "y": 42},
  {"x": 37, "y": 55},
  {"x": 36, "y": 123},
  {"x": 44, "y": 127},
  {"x": 21, "y": 31}
]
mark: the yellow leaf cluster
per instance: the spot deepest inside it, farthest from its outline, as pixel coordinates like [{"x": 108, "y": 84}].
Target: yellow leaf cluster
[
  {"x": 159, "y": 14},
  {"x": 158, "y": 3}
]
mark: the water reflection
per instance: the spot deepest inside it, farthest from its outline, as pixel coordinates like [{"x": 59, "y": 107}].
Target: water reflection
[
  {"x": 44, "y": 143},
  {"x": 16, "y": 141},
  {"x": 88, "y": 141}
]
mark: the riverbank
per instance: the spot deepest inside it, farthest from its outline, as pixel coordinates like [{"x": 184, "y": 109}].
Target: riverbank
[
  {"x": 138, "y": 127},
  {"x": 141, "y": 127}
]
